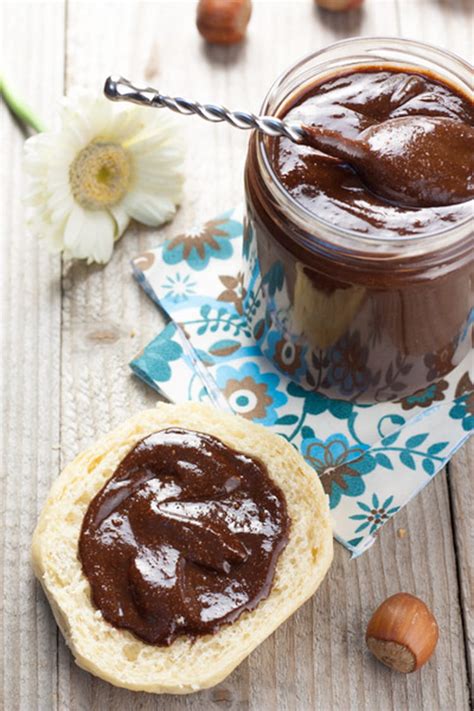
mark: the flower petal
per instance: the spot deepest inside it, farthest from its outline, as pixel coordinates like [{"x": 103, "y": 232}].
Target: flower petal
[
  {"x": 121, "y": 218},
  {"x": 89, "y": 234},
  {"x": 155, "y": 149},
  {"x": 152, "y": 210}
]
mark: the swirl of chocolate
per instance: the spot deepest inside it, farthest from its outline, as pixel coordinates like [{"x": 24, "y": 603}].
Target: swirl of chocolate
[
  {"x": 414, "y": 123},
  {"x": 183, "y": 537}
]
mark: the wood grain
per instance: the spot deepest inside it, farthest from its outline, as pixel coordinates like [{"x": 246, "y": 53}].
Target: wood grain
[
  {"x": 31, "y": 321},
  {"x": 67, "y": 379},
  {"x": 462, "y": 499},
  {"x": 445, "y": 23}
]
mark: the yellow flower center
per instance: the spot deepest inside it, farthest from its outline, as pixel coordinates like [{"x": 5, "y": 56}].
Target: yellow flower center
[{"x": 100, "y": 175}]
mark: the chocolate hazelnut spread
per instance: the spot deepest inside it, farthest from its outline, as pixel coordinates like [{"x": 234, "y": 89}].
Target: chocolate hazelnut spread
[
  {"x": 183, "y": 538},
  {"x": 369, "y": 292},
  {"x": 412, "y": 161},
  {"x": 352, "y": 105}
]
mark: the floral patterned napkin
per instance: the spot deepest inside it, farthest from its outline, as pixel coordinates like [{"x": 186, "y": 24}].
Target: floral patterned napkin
[{"x": 371, "y": 459}]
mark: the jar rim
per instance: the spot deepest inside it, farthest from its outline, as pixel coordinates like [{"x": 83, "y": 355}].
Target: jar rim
[{"x": 353, "y": 240}]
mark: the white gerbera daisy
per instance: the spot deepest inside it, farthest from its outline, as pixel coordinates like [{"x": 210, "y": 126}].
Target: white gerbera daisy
[{"x": 102, "y": 166}]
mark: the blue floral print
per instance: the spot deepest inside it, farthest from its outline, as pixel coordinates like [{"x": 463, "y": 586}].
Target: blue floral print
[
  {"x": 251, "y": 393},
  {"x": 157, "y": 356},
  {"x": 197, "y": 247},
  {"x": 179, "y": 288},
  {"x": 340, "y": 465},
  {"x": 348, "y": 365},
  {"x": 463, "y": 410},
  {"x": 426, "y": 396},
  {"x": 367, "y": 456},
  {"x": 375, "y": 515},
  {"x": 288, "y": 356}
]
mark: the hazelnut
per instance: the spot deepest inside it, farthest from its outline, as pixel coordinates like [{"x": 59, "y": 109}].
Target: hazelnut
[
  {"x": 402, "y": 633},
  {"x": 223, "y": 21},
  {"x": 339, "y": 5}
]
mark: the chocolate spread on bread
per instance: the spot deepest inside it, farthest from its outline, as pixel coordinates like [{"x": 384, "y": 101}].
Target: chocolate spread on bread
[{"x": 183, "y": 538}]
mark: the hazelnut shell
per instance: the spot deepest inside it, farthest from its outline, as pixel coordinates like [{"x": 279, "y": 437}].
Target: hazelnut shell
[
  {"x": 402, "y": 633},
  {"x": 223, "y": 21},
  {"x": 339, "y": 5}
]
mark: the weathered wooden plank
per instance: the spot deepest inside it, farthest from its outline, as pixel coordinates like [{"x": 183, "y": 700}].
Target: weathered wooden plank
[
  {"x": 449, "y": 24},
  {"x": 32, "y": 37},
  {"x": 462, "y": 500},
  {"x": 94, "y": 300},
  {"x": 317, "y": 660},
  {"x": 445, "y": 23}
]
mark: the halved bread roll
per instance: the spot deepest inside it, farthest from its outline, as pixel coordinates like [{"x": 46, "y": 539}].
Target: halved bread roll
[{"x": 185, "y": 666}]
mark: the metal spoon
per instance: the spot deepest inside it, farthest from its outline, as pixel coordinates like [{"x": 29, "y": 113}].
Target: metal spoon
[
  {"x": 415, "y": 161},
  {"x": 120, "y": 89}
]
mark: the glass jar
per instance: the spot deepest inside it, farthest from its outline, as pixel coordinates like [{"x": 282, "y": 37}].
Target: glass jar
[{"x": 366, "y": 318}]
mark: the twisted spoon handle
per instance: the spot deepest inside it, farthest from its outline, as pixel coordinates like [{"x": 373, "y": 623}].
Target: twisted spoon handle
[{"x": 120, "y": 89}]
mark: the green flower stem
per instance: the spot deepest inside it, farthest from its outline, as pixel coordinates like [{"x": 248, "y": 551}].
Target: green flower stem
[{"x": 20, "y": 109}]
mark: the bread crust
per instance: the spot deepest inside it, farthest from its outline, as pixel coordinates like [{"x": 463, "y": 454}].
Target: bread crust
[{"x": 185, "y": 666}]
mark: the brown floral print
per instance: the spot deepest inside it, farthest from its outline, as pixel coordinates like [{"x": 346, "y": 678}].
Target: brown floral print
[
  {"x": 288, "y": 356},
  {"x": 234, "y": 291},
  {"x": 440, "y": 363},
  {"x": 425, "y": 396},
  {"x": 200, "y": 239},
  {"x": 338, "y": 476},
  {"x": 249, "y": 407},
  {"x": 466, "y": 387},
  {"x": 348, "y": 364},
  {"x": 144, "y": 261}
]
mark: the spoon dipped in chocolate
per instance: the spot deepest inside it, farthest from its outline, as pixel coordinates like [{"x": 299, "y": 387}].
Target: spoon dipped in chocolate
[{"x": 414, "y": 161}]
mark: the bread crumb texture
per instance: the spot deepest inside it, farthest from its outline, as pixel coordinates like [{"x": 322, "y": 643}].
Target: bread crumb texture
[{"x": 116, "y": 655}]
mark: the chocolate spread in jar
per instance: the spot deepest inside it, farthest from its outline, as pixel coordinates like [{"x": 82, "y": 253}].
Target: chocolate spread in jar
[
  {"x": 367, "y": 319},
  {"x": 350, "y": 104},
  {"x": 183, "y": 538}
]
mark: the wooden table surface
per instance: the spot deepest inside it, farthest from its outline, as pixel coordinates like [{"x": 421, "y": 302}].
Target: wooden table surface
[{"x": 69, "y": 332}]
